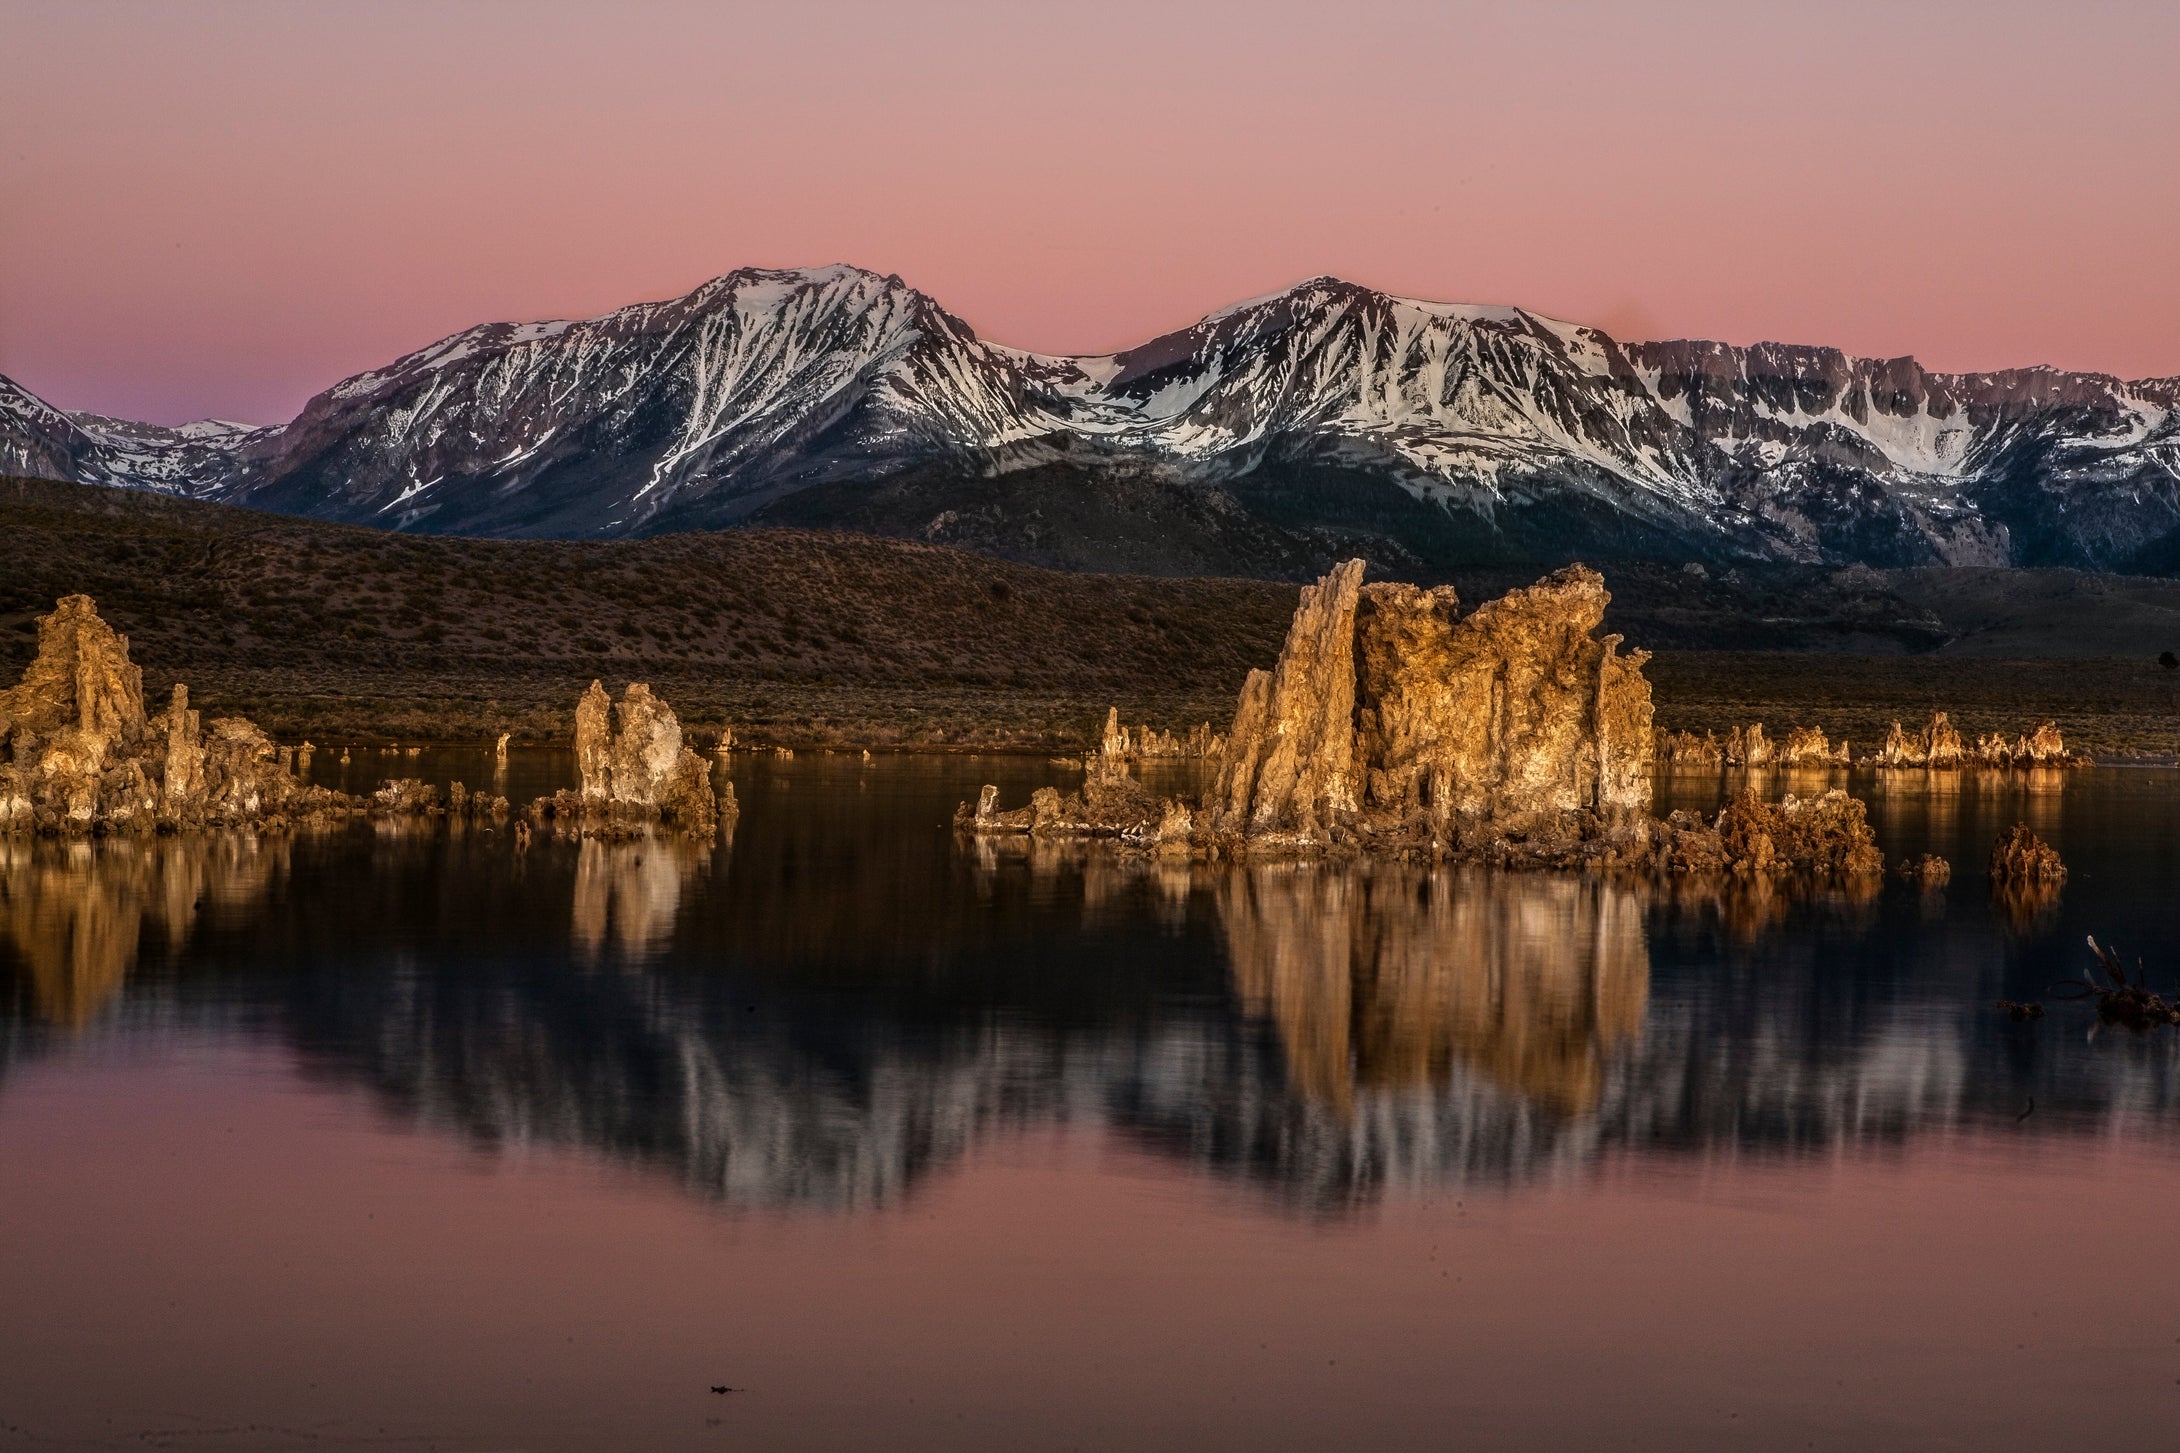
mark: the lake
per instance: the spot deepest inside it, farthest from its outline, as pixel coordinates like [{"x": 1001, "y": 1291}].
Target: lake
[{"x": 402, "y": 1137}]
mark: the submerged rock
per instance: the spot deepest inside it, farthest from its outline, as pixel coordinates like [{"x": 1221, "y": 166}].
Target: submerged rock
[
  {"x": 78, "y": 754},
  {"x": 1927, "y": 869},
  {"x": 634, "y": 767}
]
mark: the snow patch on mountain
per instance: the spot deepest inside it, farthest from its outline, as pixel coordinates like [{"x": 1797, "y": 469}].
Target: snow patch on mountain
[{"x": 763, "y": 382}]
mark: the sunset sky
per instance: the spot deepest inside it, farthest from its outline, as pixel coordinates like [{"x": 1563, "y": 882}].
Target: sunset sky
[{"x": 221, "y": 208}]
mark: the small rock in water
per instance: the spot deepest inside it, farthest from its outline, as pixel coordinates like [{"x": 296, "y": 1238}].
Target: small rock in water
[{"x": 2020, "y": 856}]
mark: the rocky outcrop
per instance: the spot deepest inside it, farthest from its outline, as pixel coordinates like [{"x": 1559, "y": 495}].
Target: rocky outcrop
[
  {"x": 1926, "y": 869},
  {"x": 1827, "y": 836},
  {"x": 1393, "y": 723},
  {"x": 78, "y": 754},
  {"x": 413, "y": 797},
  {"x": 1748, "y": 746},
  {"x": 2044, "y": 747},
  {"x": 1513, "y": 715},
  {"x": 1111, "y": 804},
  {"x": 1937, "y": 744},
  {"x": 634, "y": 768},
  {"x": 2026, "y": 877}
]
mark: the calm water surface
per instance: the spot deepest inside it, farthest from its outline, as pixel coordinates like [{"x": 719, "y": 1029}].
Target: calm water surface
[{"x": 394, "y": 1138}]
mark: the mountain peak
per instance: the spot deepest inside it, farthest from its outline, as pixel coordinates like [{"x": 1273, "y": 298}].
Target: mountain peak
[{"x": 1326, "y": 412}]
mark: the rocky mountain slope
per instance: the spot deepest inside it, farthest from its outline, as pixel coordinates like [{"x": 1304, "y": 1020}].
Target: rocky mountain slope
[{"x": 1267, "y": 439}]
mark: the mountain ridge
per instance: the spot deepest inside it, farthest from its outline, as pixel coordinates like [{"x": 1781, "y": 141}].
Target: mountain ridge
[{"x": 1266, "y": 438}]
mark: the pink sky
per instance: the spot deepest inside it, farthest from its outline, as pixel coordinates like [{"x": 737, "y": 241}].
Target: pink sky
[{"x": 221, "y": 208}]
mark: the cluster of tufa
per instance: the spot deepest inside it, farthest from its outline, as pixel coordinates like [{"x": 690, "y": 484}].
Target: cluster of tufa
[
  {"x": 1939, "y": 744},
  {"x": 1805, "y": 746},
  {"x": 413, "y": 797},
  {"x": 1144, "y": 744},
  {"x": 79, "y": 754},
  {"x": 1513, "y": 735}
]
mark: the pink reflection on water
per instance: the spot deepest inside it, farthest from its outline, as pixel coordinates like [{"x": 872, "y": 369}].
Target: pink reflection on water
[{"x": 199, "y": 1243}]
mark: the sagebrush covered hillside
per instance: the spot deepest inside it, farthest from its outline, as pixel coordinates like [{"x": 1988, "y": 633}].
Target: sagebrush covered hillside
[{"x": 807, "y": 637}]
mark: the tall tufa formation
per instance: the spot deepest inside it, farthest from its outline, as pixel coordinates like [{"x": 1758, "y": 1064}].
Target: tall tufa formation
[
  {"x": 1288, "y": 771},
  {"x": 637, "y": 770},
  {"x": 78, "y": 754},
  {"x": 1389, "y": 712}
]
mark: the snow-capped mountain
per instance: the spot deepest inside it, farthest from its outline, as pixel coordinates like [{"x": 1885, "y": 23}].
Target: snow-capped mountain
[
  {"x": 41, "y": 442},
  {"x": 1273, "y": 434}
]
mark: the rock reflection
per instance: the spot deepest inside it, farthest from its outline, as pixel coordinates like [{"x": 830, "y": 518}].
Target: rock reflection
[
  {"x": 2027, "y": 908},
  {"x": 627, "y": 893},
  {"x": 1388, "y": 977},
  {"x": 75, "y": 915}
]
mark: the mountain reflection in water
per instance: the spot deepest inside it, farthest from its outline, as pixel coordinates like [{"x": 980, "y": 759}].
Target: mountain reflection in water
[{"x": 845, "y": 1001}]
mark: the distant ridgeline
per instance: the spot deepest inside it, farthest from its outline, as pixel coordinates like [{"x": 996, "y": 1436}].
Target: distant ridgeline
[{"x": 1270, "y": 439}]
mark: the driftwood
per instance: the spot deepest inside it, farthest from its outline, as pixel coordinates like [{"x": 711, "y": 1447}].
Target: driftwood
[{"x": 2124, "y": 1002}]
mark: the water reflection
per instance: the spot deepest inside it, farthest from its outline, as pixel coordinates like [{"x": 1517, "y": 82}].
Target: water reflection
[
  {"x": 1386, "y": 978},
  {"x": 628, "y": 893},
  {"x": 844, "y": 1003},
  {"x": 75, "y": 916}
]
